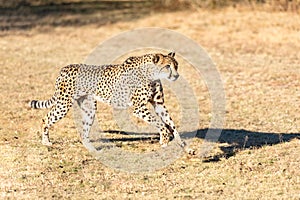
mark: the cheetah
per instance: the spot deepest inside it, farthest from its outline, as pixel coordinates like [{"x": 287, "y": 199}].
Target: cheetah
[{"x": 134, "y": 83}]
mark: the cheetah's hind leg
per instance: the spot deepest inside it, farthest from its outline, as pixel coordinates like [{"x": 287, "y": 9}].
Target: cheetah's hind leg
[
  {"x": 57, "y": 112},
  {"x": 88, "y": 106}
]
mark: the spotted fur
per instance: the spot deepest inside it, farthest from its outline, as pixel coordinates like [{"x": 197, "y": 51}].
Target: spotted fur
[{"x": 135, "y": 83}]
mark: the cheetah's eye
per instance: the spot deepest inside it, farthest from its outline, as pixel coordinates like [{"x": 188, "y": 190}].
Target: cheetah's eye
[{"x": 167, "y": 66}]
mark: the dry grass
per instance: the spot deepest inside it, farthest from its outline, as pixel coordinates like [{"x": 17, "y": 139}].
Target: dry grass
[{"x": 257, "y": 54}]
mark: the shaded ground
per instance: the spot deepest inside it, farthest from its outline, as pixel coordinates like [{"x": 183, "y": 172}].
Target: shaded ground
[
  {"x": 256, "y": 157},
  {"x": 68, "y": 13}
]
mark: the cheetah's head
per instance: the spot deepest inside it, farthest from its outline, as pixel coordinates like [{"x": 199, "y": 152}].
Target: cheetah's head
[{"x": 166, "y": 66}]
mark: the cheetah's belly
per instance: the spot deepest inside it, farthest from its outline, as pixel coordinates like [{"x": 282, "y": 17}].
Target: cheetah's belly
[{"x": 101, "y": 99}]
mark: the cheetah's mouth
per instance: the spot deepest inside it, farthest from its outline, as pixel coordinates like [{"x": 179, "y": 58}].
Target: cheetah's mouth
[
  {"x": 166, "y": 70},
  {"x": 173, "y": 78}
]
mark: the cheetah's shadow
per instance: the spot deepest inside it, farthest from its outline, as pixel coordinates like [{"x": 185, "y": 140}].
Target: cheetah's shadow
[{"x": 236, "y": 139}]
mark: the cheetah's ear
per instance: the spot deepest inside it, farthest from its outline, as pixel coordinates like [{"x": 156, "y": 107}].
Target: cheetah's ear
[
  {"x": 172, "y": 54},
  {"x": 156, "y": 58}
]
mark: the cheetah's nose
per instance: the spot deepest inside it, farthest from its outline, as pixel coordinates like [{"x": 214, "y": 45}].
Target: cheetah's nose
[{"x": 175, "y": 77}]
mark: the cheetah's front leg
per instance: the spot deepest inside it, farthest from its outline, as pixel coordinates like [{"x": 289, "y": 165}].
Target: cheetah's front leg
[
  {"x": 163, "y": 113},
  {"x": 143, "y": 113}
]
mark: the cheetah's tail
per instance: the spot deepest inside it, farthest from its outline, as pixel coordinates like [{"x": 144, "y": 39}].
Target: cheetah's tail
[{"x": 36, "y": 104}]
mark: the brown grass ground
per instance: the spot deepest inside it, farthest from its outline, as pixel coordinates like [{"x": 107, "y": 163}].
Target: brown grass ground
[{"x": 257, "y": 54}]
